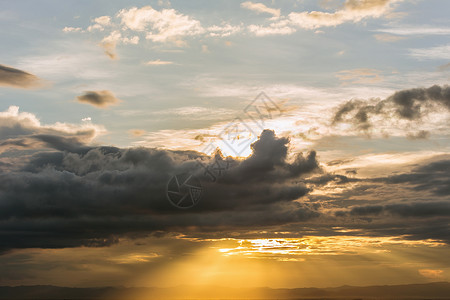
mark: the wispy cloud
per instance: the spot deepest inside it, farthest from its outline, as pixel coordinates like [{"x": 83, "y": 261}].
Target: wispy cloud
[
  {"x": 388, "y": 37},
  {"x": 352, "y": 12},
  {"x": 158, "y": 62},
  {"x": 360, "y": 76},
  {"x": 438, "y": 52},
  {"x": 260, "y": 8},
  {"x": 415, "y": 30}
]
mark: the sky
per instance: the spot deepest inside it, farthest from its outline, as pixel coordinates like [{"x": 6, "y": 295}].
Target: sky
[{"x": 235, "y": 143}]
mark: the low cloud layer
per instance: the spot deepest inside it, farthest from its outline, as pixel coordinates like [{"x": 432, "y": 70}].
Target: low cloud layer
[
  {"x": 100, "y": 99},
  {"x": 17, "y": 78},
  {"x": 67, "y": 194}
]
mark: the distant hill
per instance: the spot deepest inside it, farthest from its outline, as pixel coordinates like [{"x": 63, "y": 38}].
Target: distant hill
[{"x": 436, "y": 290}]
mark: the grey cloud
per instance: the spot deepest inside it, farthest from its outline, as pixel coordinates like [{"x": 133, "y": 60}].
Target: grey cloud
[
  {"x": 70, "y": 197},
  {"x": 99, "y": 99},
  {"x": 415, "y": 209},
  {"x": 18, "y": 78},
  {"x": 411, "y": 104},
  {"x": 23, "y": 131},
  {"x": 421, "y": 134},
  {"x": 433, "y": 177}
]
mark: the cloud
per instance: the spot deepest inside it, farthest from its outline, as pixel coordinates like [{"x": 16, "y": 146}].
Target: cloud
[
  {"x": 23, "y": 131},
  {"x": 353, "y": 11},
  {"x": 444, "y": 67},
  {"x": 360, "y": 76},
  {"x": 64, "y": 197},
  {"x": 110, "y": 42},
  {"x": 160, "y": 26},
  {"x": 137, "y": 132},
  {"x": 223, "y": 30},
  {"x": 388, "y": 37},
  {"x": 439, "y": 52},
  {"x": 100, "y": 23},
  {"x": 410, "y": 105},
  {"x": 72, "y": 29},
  {"x": 17, "y": 78},
  {"x": 432, "y": 273},
  {"x": 260, "y": 8},
  {"x": 100, "y": 99},
  {"x": 409, "y": 30},
  {"x": 416, "y": 209},
  {"x": 104, "y": 20},
  {"x": 158, "y": 62},
  {"x": 282, "y": 27}
]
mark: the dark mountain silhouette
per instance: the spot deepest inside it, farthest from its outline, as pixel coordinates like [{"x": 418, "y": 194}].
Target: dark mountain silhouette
[{"x": 436, "y": 290}]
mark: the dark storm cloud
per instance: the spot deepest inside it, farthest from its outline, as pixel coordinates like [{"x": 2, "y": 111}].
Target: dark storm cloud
[
  {"x": 93, "y": 195},
  {"x": 99, "y": 99},
  {"x": 434, "y": 177},
  {"x": 411, "y": 104},
  {"x": 18, "y": 78},
  {"x": 416, "y": 209}
]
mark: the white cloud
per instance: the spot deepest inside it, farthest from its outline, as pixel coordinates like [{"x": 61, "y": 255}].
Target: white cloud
[
  {"x": 439, "y": 52},
  {"x": 104, "y": 20},
  {"x": 282, "y": 27},
  {"x": 95, "y": 27},
  {"x": 100, "y": 23},
  {"x": 72, "y": 29},
  {"x": 409, "y": 30},
  {"x": 260, "y": 8},
  {"x": 133, "y": 40},
  {"x": 160, "y": 26},
  {"x": 223, "y": 31}
]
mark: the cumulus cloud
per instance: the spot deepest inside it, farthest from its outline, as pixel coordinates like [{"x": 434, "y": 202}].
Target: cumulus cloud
[
  {"x": 24, "y": 131},
  {"x": 160, "y": 26},
  {"x": 260, "y": 8},
  {"x": 409, "y": 105},
  {"x": 17, "y": 78},
  {"x": 100, "y": 99}
]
